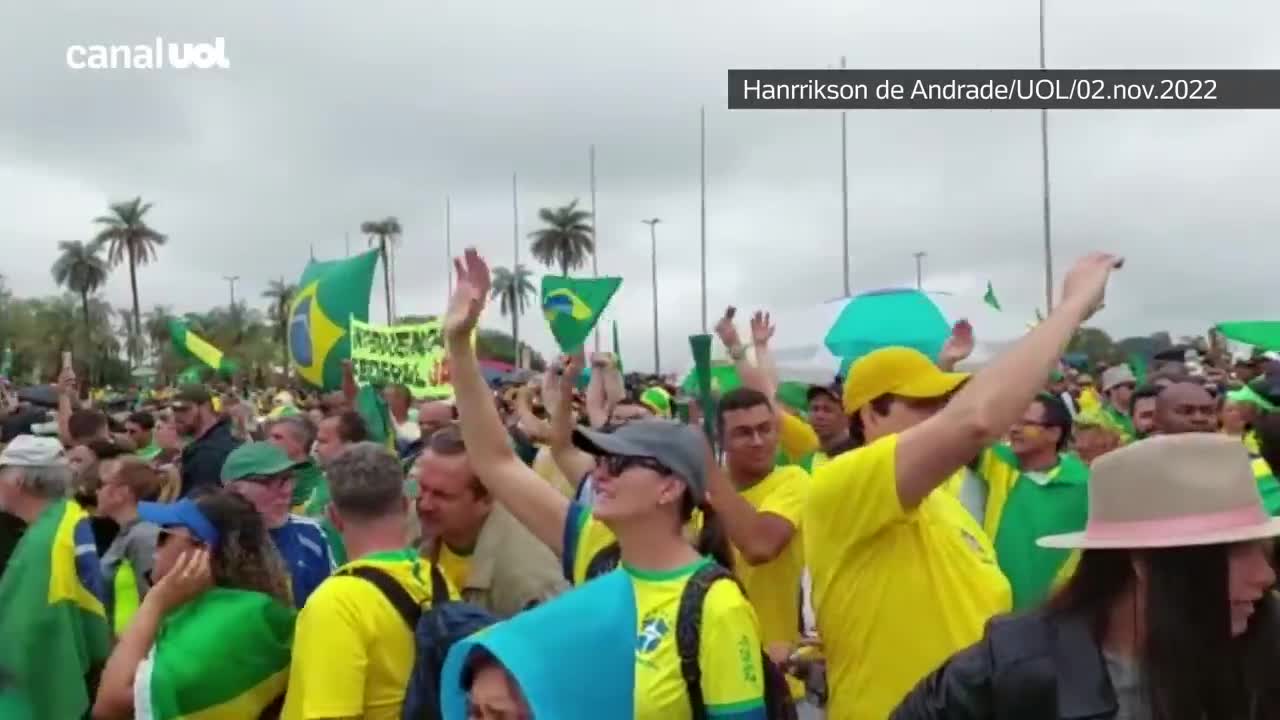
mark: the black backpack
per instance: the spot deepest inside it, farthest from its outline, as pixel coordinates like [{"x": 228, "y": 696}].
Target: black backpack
[
  {"x": 778, "y": 704},
  {"x": 435, "y": 631}
]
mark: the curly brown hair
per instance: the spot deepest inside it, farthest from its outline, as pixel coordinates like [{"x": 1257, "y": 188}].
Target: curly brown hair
[{"x": 246, "y": 558}]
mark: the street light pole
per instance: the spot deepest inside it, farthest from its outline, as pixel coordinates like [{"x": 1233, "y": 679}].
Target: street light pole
[
  {"x": 595, "y": 229},
  {"x": 919, "y": 256},
  {"x": 231, "y": 281},
  {"x": 653, "y": 258},
  {"x": 448, "y": 246},
  {"x": 515, "y": 272},
  {"x": 844, "y": 190},
  {"x": 703, "y": 165},
  {"x": 1044, "y": 162}
]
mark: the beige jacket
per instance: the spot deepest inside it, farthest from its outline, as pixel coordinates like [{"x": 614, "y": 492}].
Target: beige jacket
[{"x": 510, "y": 569}]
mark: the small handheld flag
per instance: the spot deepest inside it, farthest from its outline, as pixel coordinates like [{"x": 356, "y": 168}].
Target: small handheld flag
[
  {"x": 193, "y": 346},
  {"x": 617, "y": 352},
  {"x": 990, "y": 297},
  {"x": 701, "y": 346},
  {"x": 573, "y": 306}
]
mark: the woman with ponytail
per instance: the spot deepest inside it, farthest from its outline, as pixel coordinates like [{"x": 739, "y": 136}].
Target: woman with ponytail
[{"x": 650, "y": 476}]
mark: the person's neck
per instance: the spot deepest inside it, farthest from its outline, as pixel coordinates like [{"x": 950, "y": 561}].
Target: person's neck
[
  {"x": 651, "y": 546},
  {"x": 1123, "y": 632},
  {"x": 744, "y": 477},
  {"x": 29, "y": 509},
  {"x": 832, "y": 443},
  {"x": 376, "y": 536},
  {"x": 400, "y": 415},
  {"x": 463, "y": 541},
  {"x": 1038, "y": 461},
  {"x": 206, "y": 425},
  {"x": 1117, "y": 408},
  {"x": 124, "y": 515}
]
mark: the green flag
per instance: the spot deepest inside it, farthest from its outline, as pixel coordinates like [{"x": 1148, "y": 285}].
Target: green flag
[
  {"x": 376, "y": 415},
  {"x": 990, "y": 297},
  {"x": 701, "y": 346},
  {"x": 617, "y": 350},
  {"x": 572, "y": 306},
  {"x": 1263, "y": 334},
  {"x": 252, "y": 629},
  {"x": 191, "y": 345},
  {"x": 1138, "y": 364},
  {"x": 330, "y": 294},
  {"x": 53, "y": 619}
]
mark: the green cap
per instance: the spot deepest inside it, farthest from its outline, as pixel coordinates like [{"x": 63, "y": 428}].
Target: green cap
[
  {"x": 255, "y": 459},
  {"x": 658, "y": 400}
]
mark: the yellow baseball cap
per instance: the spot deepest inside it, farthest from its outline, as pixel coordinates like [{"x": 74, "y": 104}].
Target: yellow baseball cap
[{"x": 898, "y": 371}]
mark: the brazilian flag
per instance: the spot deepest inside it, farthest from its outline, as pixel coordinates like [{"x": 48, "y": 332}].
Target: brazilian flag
[
  {"x": 330, "y": 294},
  {"x": 191, "y": 345},
  {"x": 573, "y": 306}
]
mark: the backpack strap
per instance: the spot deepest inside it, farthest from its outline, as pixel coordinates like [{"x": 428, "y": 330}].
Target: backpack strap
[
  {"x": 439, "y": 586},
  {"x": 689, "y": 631},
  {"x": 392, "y": 590},
  {"x": 606, "y": 560}
]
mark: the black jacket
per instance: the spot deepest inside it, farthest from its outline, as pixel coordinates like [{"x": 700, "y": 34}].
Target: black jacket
[
  {"x": 202, "y": 459},
  {"x": 1034, "y": 665}
]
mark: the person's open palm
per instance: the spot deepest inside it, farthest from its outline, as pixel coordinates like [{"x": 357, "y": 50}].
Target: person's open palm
[
  {"x": 469, "y": 294},
  {"x": 762, "y": 328},
  {"x": 958, "y": 346}
]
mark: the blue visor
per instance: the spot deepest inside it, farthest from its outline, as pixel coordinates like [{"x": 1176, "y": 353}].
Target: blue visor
[{"x": 183, "y": 513}]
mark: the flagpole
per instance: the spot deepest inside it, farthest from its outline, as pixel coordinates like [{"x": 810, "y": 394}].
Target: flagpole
[
  {"x": 595, "y": 228},
  {"x": 703, "y": 166},
  {"x": 1044, "y": 161},
  {"x": 346, "y": 239},
  {"x": 515, "y": 271},
  {"x": 844, "y": 189},
  {"x": 448, "y": 246},
  {"x": 653, "y": 257}
]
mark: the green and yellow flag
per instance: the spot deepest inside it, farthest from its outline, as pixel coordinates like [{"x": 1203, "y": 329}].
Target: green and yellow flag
[
  {"x": 191, "y": 345},
  {"x": 53, "y": 620},
  {"x": 254, "y": 631},
  {"x": 573, "y": 306},
  {"x": 989, "y": 297},
  {"x": 330, "y": 294}
]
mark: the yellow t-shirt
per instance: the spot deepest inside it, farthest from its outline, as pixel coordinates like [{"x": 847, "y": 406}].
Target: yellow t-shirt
[
  {"x": 352, "y": 652},
  {"x": 774, "y": 587},
  {"x": 796, "y": 437},
  {"x": 455, "y": 567},
  {"x": 896, "y": 592},
  {"x": 729, "y": 649}
]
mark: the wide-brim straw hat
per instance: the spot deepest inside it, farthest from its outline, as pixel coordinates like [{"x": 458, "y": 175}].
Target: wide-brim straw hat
[{"x": 1172, "y": 491}]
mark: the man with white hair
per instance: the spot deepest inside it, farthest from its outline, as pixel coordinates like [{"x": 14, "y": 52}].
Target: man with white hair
[{"x": 53, "y": 622}]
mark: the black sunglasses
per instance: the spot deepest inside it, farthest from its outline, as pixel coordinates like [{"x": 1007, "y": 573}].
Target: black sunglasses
[{"x": 618, "y": 464}]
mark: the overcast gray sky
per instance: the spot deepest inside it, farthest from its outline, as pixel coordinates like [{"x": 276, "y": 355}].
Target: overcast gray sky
[{"x": 334, "y": 113}]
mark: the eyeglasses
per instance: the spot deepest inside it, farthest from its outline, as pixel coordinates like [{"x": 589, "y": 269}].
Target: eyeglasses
[{"x": 618, "y": 464}]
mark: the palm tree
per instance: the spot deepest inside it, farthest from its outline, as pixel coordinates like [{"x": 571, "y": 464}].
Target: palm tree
[
  {"x": 134, "y": 343},
  {"x": 82, "y": 271},
  {"x": 281, "y": 294},
  {"x": 513, "y": 291},
  {"x": 384, "y": 233},
  {"x": 567, "y": 241},
  {"x": 130, "y": 238}
]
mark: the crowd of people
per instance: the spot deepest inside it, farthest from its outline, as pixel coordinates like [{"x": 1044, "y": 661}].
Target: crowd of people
[{"x": 917, "y": 543}]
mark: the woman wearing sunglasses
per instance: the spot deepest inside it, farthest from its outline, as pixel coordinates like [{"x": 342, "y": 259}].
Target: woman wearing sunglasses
[
  {"x": 213, "y": 635},
  {"x": 650, "y": 476}
]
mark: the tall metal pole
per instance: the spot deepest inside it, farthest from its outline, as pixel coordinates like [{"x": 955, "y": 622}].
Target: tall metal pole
[
  {"x": 919, "y": 256},
  {"x": 595, "y": 229},
  {"x": 231, "y": 282},
  {"x": 844, "y": 190},
  {"x": 703, "y": 218},
  {"x": 448, "y": 245},
  {"x": 515, "y": 271},
  {"x": 1044, "y": 160},
  {"x": 346, "y": 239},
  {"x": 653, "y": 258}
]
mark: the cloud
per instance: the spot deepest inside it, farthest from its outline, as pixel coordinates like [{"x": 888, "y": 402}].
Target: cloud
[{"x": 335, "y": 114}]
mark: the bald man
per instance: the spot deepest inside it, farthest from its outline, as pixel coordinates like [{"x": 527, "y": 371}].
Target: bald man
[{"x": 1185, "y": 407}]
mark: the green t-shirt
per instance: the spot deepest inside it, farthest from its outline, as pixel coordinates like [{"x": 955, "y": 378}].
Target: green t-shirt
[
  {"x": 149, "y": 452},
  {"x": 307, "y": 479},
  {"x": 1025, "y": 506},
  {"x": 1123, "y": 420}
]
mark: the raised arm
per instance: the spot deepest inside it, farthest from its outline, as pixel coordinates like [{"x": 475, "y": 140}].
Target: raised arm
[
  {"x": 573, "y": 463},
  {"x": 605, "y": 390},
  {"x": 534, "y": 502},
  {"x": 994, "y": 399}
]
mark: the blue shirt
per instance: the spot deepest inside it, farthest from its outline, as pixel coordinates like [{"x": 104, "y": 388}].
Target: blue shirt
[{"x": 302, "y": 544}]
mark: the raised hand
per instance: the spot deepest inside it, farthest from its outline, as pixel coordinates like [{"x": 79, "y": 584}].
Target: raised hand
[
  {"x": 570, "y": 367},
  {"x": 957, "y": 347},
  {"x": 190, "y": 576},
  {"x": 1086, "y": 283},
  {"x": 762, "y": 328},
  {"x": 469, "y": 295},
  {"x": 726, "y": 331}
]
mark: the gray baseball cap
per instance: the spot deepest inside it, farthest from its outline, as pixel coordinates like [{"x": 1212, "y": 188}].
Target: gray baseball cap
[
  {"x": 676, "y": 445},
  {"x": 32, "y": 451}
]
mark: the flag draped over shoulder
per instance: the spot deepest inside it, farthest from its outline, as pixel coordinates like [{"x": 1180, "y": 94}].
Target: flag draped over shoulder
[
  {"x": 573, "y": 306},
  {"x": 189, "y": 344},
  {"x": 224, "y": 655},
  {"x": 53, "y": 624},
  {"x": 603, "y": 611},
  {"x": 329, "y": 294}
]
